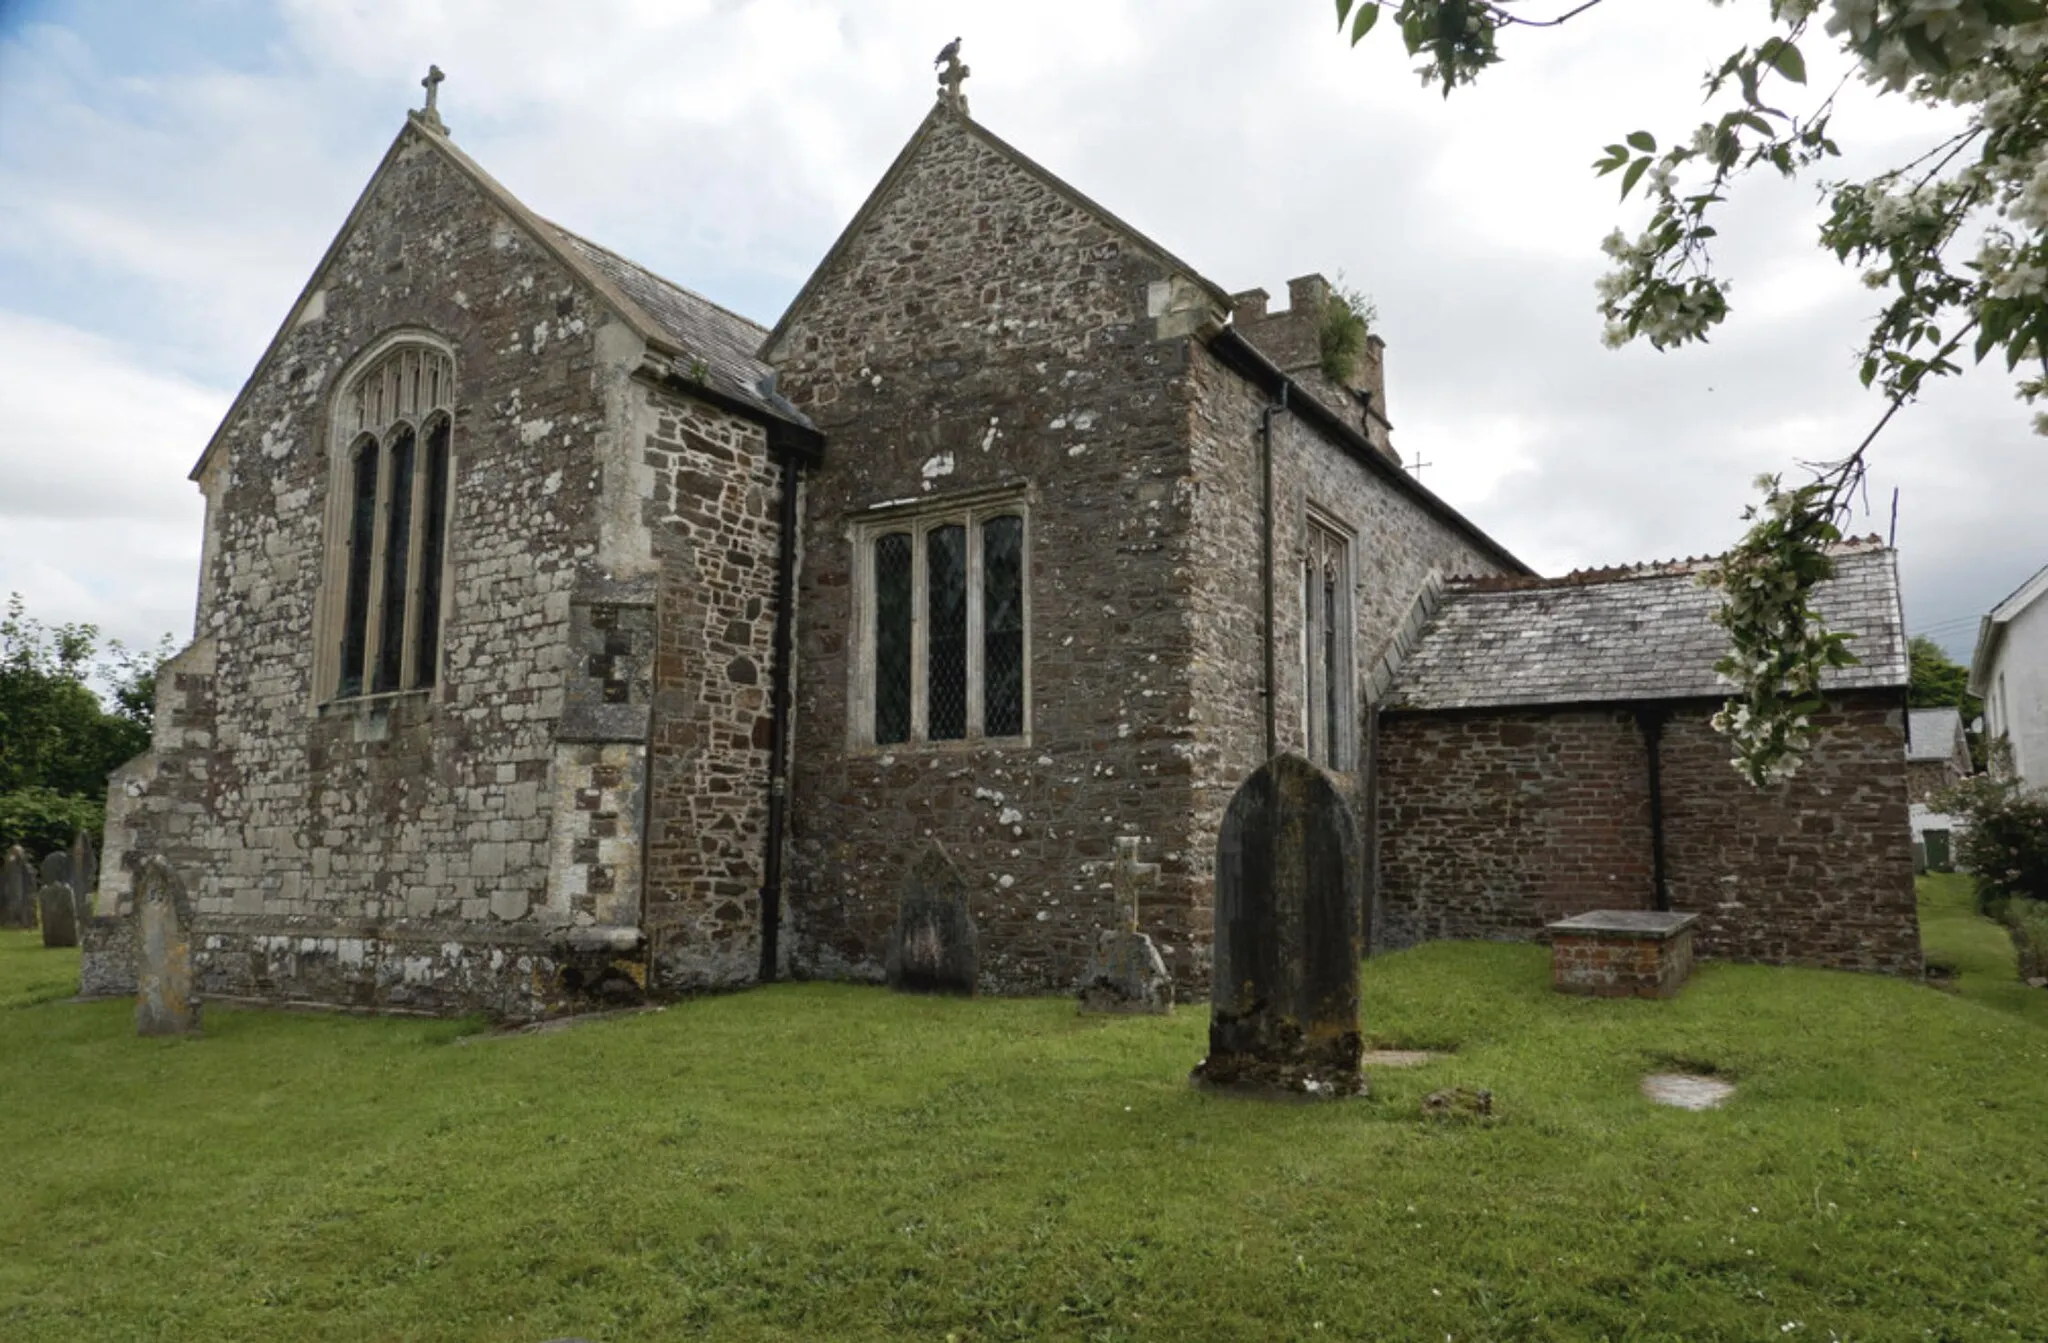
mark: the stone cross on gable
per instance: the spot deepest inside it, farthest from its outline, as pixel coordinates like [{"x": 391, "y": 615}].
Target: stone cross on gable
[
  {"x": 431, "y": 113},
  {"x": 1131, "y": 878},
  {"x": 950, "y": 79}
]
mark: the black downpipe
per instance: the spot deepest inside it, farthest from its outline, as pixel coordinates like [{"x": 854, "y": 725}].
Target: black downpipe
[
  {"x": 778, "y": 722},
  {"x": 1266, "y": 568},
  {"x": 1650, "y": 721}
]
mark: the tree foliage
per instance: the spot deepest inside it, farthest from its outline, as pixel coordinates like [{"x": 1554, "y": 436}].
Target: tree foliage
[
  {"x": 1955, "y": 239},
  {"x": 58, "y": 742},
  {"x": 2005, "y": 843}
]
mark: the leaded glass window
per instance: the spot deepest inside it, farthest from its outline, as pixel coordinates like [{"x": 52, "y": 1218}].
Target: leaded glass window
[
  {"x": 943, "y": 621},
  {"x": 392, "y": 488}
]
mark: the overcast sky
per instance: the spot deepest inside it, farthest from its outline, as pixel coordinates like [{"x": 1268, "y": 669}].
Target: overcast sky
[{"x": 171, "y": 171}]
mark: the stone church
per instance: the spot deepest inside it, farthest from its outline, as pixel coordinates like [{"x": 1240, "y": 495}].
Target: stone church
[{"x": 562, "y": 635}]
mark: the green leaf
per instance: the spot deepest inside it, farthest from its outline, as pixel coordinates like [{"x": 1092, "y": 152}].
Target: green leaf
[
  {"x": 1368, "y": 15},
  {"x": 1343, "y": 11},
  {"x": 1783, "y": 57},
  {"x": 1632, "y": 176},
  {"x": 1643, "y": 140}
]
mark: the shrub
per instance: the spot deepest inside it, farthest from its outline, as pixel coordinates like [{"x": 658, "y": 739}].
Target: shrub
[
  {"x": 2005, "y": 845},
  {"x": 2027, "y": 921},
  {"x": 43, "y": 820}
]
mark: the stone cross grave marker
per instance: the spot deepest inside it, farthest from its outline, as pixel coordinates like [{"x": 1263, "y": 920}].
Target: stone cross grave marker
[
  {"x": 85, "y": 873},
  {"x": 1125, "y": 973},
  {"x": 936, "y": 948},
  {"x": 164, "y": 1001},
  {"x": 1283, "y": 994},
  {"x": 17, "y": 890},
  {"x": 59, "y": 910}
]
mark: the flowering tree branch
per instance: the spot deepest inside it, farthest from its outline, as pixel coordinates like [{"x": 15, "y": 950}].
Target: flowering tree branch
[{"x": 1984, "y": 188}]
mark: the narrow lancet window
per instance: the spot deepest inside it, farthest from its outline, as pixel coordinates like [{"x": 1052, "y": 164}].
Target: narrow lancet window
[
  {"x": 362, "y": 530},
  {"x": 893, "y": 607},
  {"x": 946, "y": 684},
  {"x": 433, "y": 525},
  {"x": 397, "y": 551},
  {"x": 1002, "y": 605}
]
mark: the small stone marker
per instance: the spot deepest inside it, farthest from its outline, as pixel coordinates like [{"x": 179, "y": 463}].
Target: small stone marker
[
  {"x": 1687, "y": 1091},
  {"x": 85, "y": 873},
  {"x": 936, "y": 948},
  {"x": 1126, "y": 974},
  {"x": 17, "y": 890},
  {"x": 164, "y": 1003},
  {"x": 59, "y": 910},
  {"x": 1283, "y": 999}
]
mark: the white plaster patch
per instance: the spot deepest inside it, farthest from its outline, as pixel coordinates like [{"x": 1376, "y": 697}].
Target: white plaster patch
[
  {"x": 1009, "y": 816},
  {"x": 934, "y": 467},
  {"x": 533, "y": 431}
]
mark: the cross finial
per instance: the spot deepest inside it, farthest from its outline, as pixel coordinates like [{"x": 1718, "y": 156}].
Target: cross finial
[
  {"x": 431, "y": 113},
  {"x": 1415, "y": 467},
  {"x": 951, "y": 77},
  {"x": 1130, "y": 877}
]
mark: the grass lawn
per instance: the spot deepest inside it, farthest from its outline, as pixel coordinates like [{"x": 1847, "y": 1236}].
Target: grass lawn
[{"x": 823, "y": 1161}]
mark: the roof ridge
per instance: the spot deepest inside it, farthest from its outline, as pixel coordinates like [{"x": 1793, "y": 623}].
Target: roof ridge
[
  {"x": 1638, "y": 572},
  {"x": 654, "y": 275}
]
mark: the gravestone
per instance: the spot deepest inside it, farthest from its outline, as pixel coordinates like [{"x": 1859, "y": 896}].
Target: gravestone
[
  {"x": 936, "y": 948},
  {"x": 1126, "y": 974},
  {"x": 56, "y": 867},
  {"x": 164, "y": 1003},
  {"x": 1283, "y": 998},
  {"x": 85, "y": 873},
  {"x": 59, "y": 910},
  {"x": 17, "y": 890}
]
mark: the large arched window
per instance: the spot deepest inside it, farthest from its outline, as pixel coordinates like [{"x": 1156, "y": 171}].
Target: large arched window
[{"x": 381, "y": 628}]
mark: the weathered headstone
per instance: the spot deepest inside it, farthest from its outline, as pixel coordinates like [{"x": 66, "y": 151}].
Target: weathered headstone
[
  {"x": 56, "y": 867},
  {"x": 85, "y": 873},
  {"x": 1126, "y": 974},
  {"x": 1283, "y": 999},
  {"x": 164, "y": 1002},
  {"x": 17, "y": 890},
  {"x": 936, "y": 948},
  {"x": 59, "y": 910}
]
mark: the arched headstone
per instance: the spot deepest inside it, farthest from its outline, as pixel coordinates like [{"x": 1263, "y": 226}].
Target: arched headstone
[
  {"x": 164, "y": 1001},
  {"x": 936, "y": 948},
  {"x": 59, "y": 910},
  {"x": 1283, "y": 997},
  {"x": 85, "y": 873},
  {"x": 17, "y": 890}
]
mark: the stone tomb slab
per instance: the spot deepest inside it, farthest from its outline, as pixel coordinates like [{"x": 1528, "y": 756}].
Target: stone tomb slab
[
  {"x": 1283, "y": 999},
  {"x": 1687, "y": 1091},
  {"x": 1622, "y": 953}
]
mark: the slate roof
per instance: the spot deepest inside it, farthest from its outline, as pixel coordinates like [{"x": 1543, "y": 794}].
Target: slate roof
[
  {"x": 1639, "y": 633},
  {"x": 1931, "y": 733},
  {"x": 723, "y": 339}
]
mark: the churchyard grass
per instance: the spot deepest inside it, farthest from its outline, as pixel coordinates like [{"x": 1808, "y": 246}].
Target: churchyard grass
[{"x": 824, "y": 1161}]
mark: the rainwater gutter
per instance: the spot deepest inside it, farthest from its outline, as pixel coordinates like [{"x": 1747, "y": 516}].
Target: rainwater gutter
[{"x": 778, "y": 719}]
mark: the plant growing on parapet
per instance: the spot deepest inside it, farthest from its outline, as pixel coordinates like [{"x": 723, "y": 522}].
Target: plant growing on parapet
[
  {"x": 1347, "y": 320},
  {"x": 1957, "y": 237},
  {"x": 698, "y": 372}
]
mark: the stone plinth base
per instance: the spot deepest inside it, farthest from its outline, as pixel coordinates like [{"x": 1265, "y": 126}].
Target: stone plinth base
[
  {"x": 106, "y": 966},
  {"x": 1126, "y": 975},
  {"x": 1622, "y": 953}
]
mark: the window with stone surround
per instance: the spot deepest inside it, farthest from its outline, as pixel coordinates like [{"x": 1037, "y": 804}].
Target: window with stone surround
[
  {"x": 942, "y": 618},
  {"x": 389, "y": 482},
  {"x": 1329, "y": 683}
]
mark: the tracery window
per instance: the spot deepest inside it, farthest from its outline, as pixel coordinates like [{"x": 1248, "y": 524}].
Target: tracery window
[
  {"x": 1328, "y": 681},
  {"x": 941, "y": 620},
  {"x": 388, "y": 536}
]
